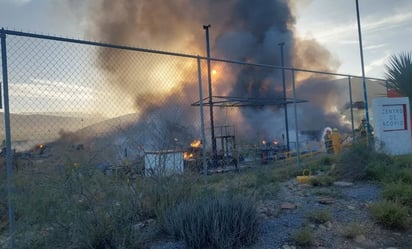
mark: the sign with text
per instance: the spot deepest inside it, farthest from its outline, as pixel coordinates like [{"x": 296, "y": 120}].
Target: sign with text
[
  {"x": 392, "y": 125},
  {"x": 394, "y": 117}
]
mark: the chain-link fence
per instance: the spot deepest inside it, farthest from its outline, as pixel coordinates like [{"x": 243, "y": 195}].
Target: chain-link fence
[
  {"x": 104, "y": 104},
  {"x": 97, "y": 104},
  {"x": 74, "y": 103}
]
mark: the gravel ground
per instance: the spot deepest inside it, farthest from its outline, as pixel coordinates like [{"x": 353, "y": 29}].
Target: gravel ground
[{"x": 346, "y": 204}]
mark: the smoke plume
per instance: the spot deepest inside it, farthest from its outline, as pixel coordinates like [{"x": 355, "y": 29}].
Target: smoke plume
[{"x": 242, "y": 30}]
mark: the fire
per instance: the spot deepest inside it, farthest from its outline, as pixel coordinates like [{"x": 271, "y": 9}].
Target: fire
[
  {"x": 196, "y": 144},
  {"x": 41, "y": 146},
  {"x": 193, "y": 150},
  {"x": 187, "y": 155}
]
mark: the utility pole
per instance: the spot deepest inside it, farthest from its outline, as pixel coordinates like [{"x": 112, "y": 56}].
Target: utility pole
[
  {"x": 209, "y": 77},
  {"x": 285, "y": 106},
  {"x": 365, "y": 94}
]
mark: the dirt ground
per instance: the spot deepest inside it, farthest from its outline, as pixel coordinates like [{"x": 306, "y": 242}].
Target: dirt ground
[{"x": 349, "y": 226}]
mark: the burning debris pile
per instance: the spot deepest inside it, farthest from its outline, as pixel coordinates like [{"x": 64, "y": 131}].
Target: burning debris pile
[
  {"x": 272, "y": 150},
  {"x": 194, "y": 150}
]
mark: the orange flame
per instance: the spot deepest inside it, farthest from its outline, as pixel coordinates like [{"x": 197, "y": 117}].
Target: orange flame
[
  {"x": 187, "y": 155},
  {"x": 196, "y": 144}
]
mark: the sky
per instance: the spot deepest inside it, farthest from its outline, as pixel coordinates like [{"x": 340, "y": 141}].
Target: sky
[
  {"x": 386, "y": 27},
  {"x": 386, "y": 30}
]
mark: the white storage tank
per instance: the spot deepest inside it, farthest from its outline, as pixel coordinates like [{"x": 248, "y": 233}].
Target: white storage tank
[{"x": 163, "y": 163}]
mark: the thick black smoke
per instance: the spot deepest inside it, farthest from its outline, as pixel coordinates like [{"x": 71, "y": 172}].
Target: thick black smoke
[{"x": 241, "y": 30}]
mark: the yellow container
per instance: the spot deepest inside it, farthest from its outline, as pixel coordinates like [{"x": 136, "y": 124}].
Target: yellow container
[{"x": 306, "y": 176}]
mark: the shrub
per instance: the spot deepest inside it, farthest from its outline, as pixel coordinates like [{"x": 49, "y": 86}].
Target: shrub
[
  {"x": 389, "y": 170},
  {"x": 404, "y": 174},
  {"x": 266, "y": 177},
  {"x": 260, "y": 183},
  {"x": 265, "y": 186},
  {"x": 353, "y": 162},
  {"x": 327, "y": 160},
  {"x": 157, "y": 194},
  {"x": 379, "y": 171},
  {"x": 213, "y": 223},
  {"x": 320, "y": 216},
  {"x": 398, "y": 191},
  {"x": 390, "y": 214},
  {"x": 80, "y": 209},
  {"x": 286, "y": 172},
  {"x": 403, "y": 161},
  {"x": 353, "y": 229},
  {"x": 321, "y": 181},
  {"x": 303, "y": 236}
]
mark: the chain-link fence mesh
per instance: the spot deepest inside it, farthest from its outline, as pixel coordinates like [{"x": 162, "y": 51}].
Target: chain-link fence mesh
[
  {"x": 101, "y": 104},
  {"x": 98, "y": 104}
]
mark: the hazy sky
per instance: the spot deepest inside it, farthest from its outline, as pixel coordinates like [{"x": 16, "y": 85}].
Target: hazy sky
[
  {"x": 386, "y": 30},
  {"x": 386, "y": 26}
]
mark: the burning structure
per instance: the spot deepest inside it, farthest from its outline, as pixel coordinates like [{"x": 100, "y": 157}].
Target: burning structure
[
  {"x": 227, "y": 153},
  {"x": 242, "y": 30}
]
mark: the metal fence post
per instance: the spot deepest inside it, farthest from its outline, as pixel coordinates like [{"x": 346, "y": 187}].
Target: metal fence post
[
  {"x": 202, "y": 121},
  {"x": 296, "y": 120},
  {"x": 9, "y": 155},
  {"x": 351, "y": 107}
]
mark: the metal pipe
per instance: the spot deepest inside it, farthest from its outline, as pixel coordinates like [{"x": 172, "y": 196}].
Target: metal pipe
[
  {"x": 365, "y": 94},
  {"x": 9, "y": 152},
  {"x": 296, "y": 120},
  {"x": 209, "y": 77},
  {"x": 285, "y": 106},
  {"x": 202, "y": 120}
]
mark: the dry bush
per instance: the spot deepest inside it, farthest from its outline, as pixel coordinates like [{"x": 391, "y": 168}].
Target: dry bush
[{"x": 213, "y": 223}]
